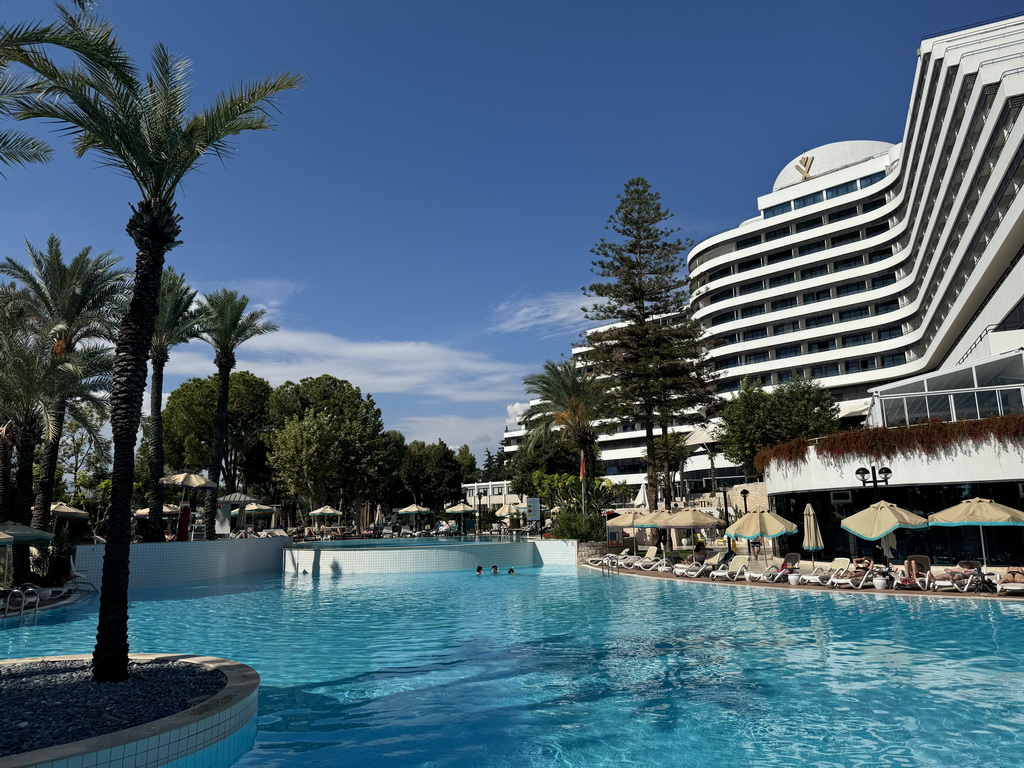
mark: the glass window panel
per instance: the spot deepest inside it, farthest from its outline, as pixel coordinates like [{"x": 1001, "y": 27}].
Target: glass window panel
[
  {"x": 1001, "y": 372},
  {"x": 988, "y": 404},
  {"x": 1011, "y": 400},
  {"x": 962, "y": 379},
  {"x": 904, "y": 389},
  {"x": 893, "y": 412},
  {"x": 938, "y": 407},
  {"x": 964, "y": 406},
  {"x": 917, "y": 410}
]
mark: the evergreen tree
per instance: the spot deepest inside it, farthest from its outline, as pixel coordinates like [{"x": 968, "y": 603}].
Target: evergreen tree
[{"x": 652, "y": 350}]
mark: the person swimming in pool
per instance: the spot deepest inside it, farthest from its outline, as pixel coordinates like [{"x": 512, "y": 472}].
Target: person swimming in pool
[
  {"x": 494, "y": 570},
  {"x": 479, "y": 570},
  {"x": 512, "y": 572}
]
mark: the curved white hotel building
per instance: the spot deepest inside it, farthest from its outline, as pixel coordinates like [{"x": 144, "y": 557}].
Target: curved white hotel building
[{"x": 871, "y": 262}]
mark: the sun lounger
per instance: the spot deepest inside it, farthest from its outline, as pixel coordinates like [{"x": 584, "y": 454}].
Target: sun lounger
[
  {"x": 1009, "y": 586},
  {"x": 655, "y": 564},
  {"x": 854, "y": 581},
  {"x": 647, "y": 557},
  {"x": 733, "y": 569},
  {"x": 694, "y": 570},
  {"x": 924, "y": 569},
  {"x": 970, "y": 583},
  {"x": 775, "y": 573},
  {"x": 823, "y": 573}
]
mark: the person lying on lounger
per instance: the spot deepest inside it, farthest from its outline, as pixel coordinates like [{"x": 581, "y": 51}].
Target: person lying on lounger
[
  {"x": 1014, "y": 575},
  {"x": 700, "y": 553},
  {"x": 861, "y": 565},
  {"x": 958, "y": 572}
]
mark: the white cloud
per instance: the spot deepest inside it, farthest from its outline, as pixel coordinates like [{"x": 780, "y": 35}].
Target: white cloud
[
  {"x": 478, "y": 434},
  {"x": 269, "y": 293},
  {"x": 392, "y": 367},
  {"x": 553, "y": 314},
  {"x": 513, "y": 412}
]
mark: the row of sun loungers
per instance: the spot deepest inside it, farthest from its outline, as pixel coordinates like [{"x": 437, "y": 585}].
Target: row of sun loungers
[{"x": 836, "y": 574}]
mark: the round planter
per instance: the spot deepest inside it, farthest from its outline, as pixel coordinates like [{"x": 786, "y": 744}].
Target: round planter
[
  {"x": 794, "y": 579},
  {"x": 880, "y": 583}
]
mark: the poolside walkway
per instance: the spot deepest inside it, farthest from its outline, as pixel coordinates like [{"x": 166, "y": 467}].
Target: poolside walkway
[{"x": 742, "y": 582}]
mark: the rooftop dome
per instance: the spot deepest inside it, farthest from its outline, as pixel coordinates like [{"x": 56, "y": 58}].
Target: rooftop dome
[{"x": 828, "y": 157}]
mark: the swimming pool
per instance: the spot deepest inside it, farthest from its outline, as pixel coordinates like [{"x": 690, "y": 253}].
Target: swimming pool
[{"x": 570, "y": 668}]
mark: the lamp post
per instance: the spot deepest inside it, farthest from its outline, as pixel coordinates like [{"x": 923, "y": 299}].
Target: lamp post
[
  {"x": 744, "y": 493},
  {"x": 878, "y": 475},
  {"x": 479, "y": 504}
]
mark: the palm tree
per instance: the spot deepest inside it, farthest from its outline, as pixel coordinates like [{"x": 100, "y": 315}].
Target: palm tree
[
  {"x": 17, "y": 148},
  {"x": 225, "y": 325},
  {"x": 176, "y": 323},
  {"x": 571, "y": 399},
  {"x": 67, "y": 303},
  {"x": 141, "y": 127}
]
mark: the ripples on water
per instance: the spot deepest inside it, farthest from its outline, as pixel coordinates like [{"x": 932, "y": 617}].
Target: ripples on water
[{"x": 560, "y": 668}]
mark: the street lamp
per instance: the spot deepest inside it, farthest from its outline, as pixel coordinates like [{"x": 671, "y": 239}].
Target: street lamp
[
  {"x": 880, "y": 474},
  {"x": 480, "y": 493},
  {"x": 744, "y": 493}
]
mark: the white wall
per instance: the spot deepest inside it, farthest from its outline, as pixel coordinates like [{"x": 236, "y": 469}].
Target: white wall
[{"x": 182, "y": 563}]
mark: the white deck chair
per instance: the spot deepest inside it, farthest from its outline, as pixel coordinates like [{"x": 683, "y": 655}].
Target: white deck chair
[
  {"x": 970, "y": 584},
  {"x": 823, "y": 573},
  {"x": 693, "y": 570},
  {"x": 648, "y": 557},
  {"x": 775, "y": 573},
  {"x": 924, "y": 567},
  {"x": 733, "y": 569}
]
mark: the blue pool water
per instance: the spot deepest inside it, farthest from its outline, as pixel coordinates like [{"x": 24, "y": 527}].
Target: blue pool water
[{"x": 559, "y": 667}]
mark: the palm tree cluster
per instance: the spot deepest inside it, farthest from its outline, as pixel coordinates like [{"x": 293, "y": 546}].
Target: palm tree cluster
[{"x": 141, "y": 126}]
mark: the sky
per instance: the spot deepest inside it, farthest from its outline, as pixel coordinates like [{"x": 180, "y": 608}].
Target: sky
[{"x": 420, "y": 221}]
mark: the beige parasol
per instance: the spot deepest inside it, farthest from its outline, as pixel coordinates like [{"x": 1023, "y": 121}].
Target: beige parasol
[
  {"x": 755, "y": 525},
  {"x": 881, "y": 518},
  {"x": 65, "y": 512},
  {"x": 187, "y": 480},
  {"x": 979, "y": 512}
]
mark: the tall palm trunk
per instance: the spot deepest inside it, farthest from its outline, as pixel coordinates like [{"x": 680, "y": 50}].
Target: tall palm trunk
[
  {"x": 48, "y": 469},
  {"x": 220, "y": 431},
  {"x": 27, "y": 443},
  {"x": 6, "y": 451},
  {"x": 154, "y": 228},
  {"x": 155, "y": 529}
]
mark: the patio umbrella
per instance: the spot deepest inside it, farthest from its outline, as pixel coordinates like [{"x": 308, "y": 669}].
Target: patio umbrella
[
  {"x": 186, "y": 480},
  {"x": 979, "y": 512},
  {"x": 22, "y": 534},
  {"x": 755, "y": 525},
  {"x": 413, "y": 509},
  {"x": 655, "y": 520},
  {"x": 506, "y": 510},
  {"x": 237, "y": 498},
  {"x": 63, "y": 511},
  {"x": 169, "y": 509},
  {"x": 460, "y": 509},
  {"x": 812, "y": 533},
  {"x": 627, "y": 518},
  {"x": 882, "y": 518}
]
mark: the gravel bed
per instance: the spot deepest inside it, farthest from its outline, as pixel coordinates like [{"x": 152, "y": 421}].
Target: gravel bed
[{"x": 55, "y": 702}]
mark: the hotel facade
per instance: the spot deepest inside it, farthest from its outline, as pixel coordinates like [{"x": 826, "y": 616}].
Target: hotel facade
[{"x": 871, "y": 262}]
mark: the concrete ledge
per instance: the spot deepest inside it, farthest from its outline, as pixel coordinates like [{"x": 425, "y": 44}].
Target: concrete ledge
[{"x": 208, "y": 724}]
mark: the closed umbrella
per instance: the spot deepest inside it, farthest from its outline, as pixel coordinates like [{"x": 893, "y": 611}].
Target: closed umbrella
[
  {"x": 812, "y": 533},
  {"x": 979, "y": 512}
]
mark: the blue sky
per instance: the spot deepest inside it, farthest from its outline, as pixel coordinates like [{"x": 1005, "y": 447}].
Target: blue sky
[{"x": 421, "y": 219}]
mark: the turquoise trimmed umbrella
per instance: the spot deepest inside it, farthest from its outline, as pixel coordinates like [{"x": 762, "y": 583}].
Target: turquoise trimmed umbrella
[
  {"x": 979, "y": 512},
  {"x": 756, "y": 525}
]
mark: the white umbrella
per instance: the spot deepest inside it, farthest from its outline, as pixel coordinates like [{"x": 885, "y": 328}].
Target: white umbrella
[{"x": 979, "y": 512}]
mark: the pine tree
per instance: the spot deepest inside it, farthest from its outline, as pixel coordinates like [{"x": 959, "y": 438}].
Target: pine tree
[{"x": 653, "y": 350}]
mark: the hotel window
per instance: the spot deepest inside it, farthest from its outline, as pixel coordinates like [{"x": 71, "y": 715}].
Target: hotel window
[
  {"x": 752, "y": 311},
  {"x": 803, "y": 226},
  {"x": 775, "y": 234},
  {"x": 857, "y": 366},
  {"x": 751, "y": 287},
  {"x": 846, "y": 213},
  {"x": 849, "y": 237},
  {"x": 851, "y": 263},
  {"x": 777, "y": 210},
  {"x": 851, "y": 288},
  {"x": 874, "y": 256},
  {"x": 780, "y": 304},
  {"x": 890, "y": 333},
  {"x": 784, "y": 352},
  {"x": 785, "y": 376},
  {"x": 780, "y": 280},
  {"x": 883, "y": 280},
  {"x": 876, "y": 229},
  {"x": 778, "y": 258},
  {"x": 856, "y": 313},
  {"x": 803, "y": 202},
  {"x": 842, "y": 189},
  {"x": 728, "y": 386},
  {"x": 780, "y": 328},
  {"x": 871, "y": 205},
  {"x": 723, "y": 317},
  {"x": 826, "y": 345},
  {"x": 726, "y": 362},
  {"x": 884, "y": 307},
  {"x": 806, "y": 250},
  {"x": 755, "y": 333},
  {"x": 749, "y": 264},
  {"x": 815, "y": 296},
  {"x": 756, "y": 357},
  {"x": 888, "y": 361},
  {"x": 729, "y": 338},
  {"x": 812, "y": 272},
  {"x": 747, "y": 242},
  {"x": 718, "y": 274},
  {"x": 822, "y": 371},
  {"x": 720, "y": 296},
  {"x": 857, "y": 339},
  {"x": 818, "y": 321},
  {"x": 874, "y": 178}
]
